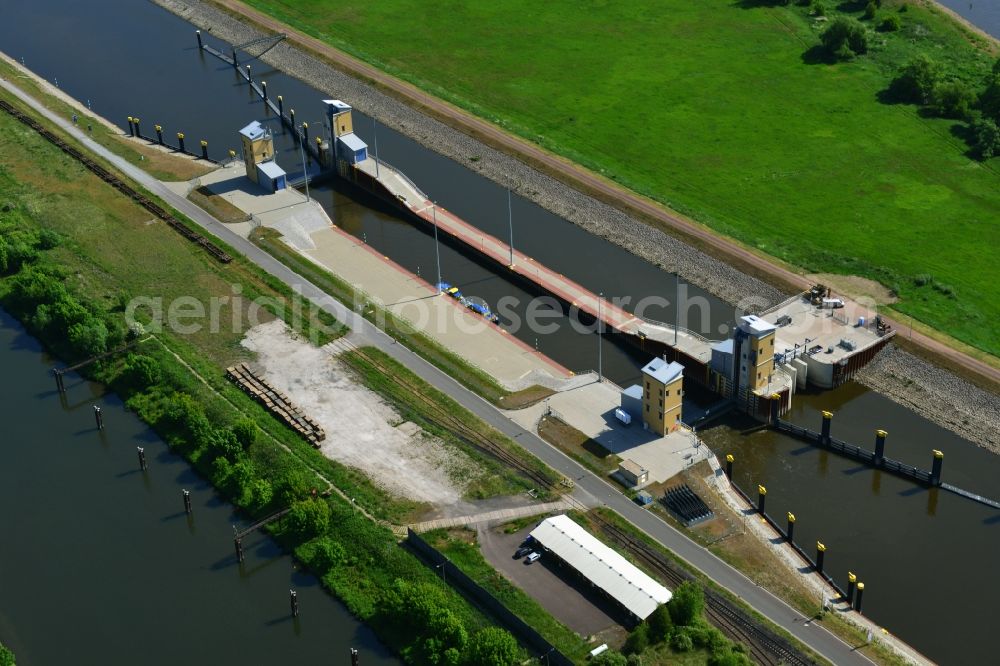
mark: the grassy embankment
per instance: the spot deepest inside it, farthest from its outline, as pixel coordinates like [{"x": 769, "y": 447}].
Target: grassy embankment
[
  {"x": 158, "y": 163},
  {"x": 726, "y": 112},
  {"x": 453, "y": 365},
  {"x": 577, "y": 446},
  {"x": 74, "y": 251}
]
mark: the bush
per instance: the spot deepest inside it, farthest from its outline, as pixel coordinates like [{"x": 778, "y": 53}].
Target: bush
[
  {"x": 916, "y": 81},
  {"x": 634, "y": 660},
  {"x": 817, "y": 8},
  {"x": 245, "y": 432},
  {"x": 422, "y": 607},
  {"x": 986, "y": 142},
  {"x": 680, "y": 640},
  {"x": 952, "y": 99},
  {"x": 923, "y": 279},
  {"x": 638, "y": 640},
  {"x": 871, "y": 9},
  {"x": 308, "y": 518},
  {"x": 493, "y": 646},
  {"x": 845, "y": 38},
  {"x": 609, "y": 658},
  {"x": 687, "y": 604},
  {"x": 889, "y": 23}
]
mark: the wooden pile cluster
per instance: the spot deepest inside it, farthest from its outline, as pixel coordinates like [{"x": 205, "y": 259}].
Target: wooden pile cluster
[{"x": 260, "y": 390}]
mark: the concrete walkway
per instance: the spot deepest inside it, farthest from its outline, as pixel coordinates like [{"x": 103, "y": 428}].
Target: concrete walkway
[
  {"x": 812, "y": 634},
  {"x": 501, "y": 515},
  {"x": 306, "y": 227}
]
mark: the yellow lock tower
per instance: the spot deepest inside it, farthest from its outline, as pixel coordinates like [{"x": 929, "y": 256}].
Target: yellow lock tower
[{"x": 258, "y": 147}]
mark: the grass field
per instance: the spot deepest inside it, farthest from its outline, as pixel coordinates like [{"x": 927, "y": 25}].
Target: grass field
[{"x": 721, "y": 109}]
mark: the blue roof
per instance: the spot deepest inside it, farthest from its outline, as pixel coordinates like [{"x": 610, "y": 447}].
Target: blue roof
[
  {"x": 725, "y": 346},
  {"x": 271, "y": 170},
  {"x": 353, "y": 142},
  {"x": 634, "y": 391},
  {"x": 254, "y": 131},
  {"x": 662, "y": 371}
]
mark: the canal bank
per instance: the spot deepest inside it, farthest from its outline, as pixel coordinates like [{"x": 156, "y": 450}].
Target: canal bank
[
  {"x": 497, "y": 167},
  {"x": 881, "y": 424},
  {"x": 105, "y": 552}
]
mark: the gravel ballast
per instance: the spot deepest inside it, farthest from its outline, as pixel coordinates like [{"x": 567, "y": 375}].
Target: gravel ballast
[{"x": 906, "y": 379}]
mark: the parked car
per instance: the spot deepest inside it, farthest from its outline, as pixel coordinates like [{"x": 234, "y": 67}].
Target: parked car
[
  {"x": 534, "y": 557},
  {"x": 528, "y": 541},
  {"x": 521, "y": 552}
]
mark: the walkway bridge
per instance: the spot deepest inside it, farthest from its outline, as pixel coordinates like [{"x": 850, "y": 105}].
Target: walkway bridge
[{"x": 657, "y": 337}]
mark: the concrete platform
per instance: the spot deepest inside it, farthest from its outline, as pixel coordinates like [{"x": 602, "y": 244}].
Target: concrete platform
[
  {"x": 306, "y": 227},
  {"x": 591, "y": 410}
]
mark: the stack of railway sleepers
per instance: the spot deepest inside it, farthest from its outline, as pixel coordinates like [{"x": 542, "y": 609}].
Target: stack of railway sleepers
[{"x": 279, "y": 404}]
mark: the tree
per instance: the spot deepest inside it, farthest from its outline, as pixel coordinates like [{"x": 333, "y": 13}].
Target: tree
[
  {"x": 638, "y": 640},
  {"x": 986, "y": 135},
  {"x": 139, "y": 372},
  {"x": 871, "y": 9},
  {"x": 916, "y": 81},
  {"x": 952, "y": 99},
  {"x": 989, "y": 98},
  {"x": 6, "y": 657},
  {"x": 245, "y": 431},
  {"x": 660, "y": 623},
  {"x": 327, "y": 554},
  {"x": 686, "y": 604},
  {"x": 308, "y": 518},
  {"x": 845, "y": 38},
  {"x": 493, "y": 646}
]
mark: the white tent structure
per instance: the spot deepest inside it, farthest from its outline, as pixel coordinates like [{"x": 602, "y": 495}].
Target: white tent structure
[{"x": 606, "y": 569}]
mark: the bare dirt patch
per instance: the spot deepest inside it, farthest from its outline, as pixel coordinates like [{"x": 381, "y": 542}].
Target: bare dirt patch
[
  {"x": 856, "y": 287},
  {"x": 362, "y": 430}
]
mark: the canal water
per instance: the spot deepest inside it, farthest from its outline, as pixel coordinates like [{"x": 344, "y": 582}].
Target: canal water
[
  {"x": 133, "y": 58},
  {"x": 99, "y": 563},
  {"x": 984, "y": 14},
  {"x": 136, "y": 59}
]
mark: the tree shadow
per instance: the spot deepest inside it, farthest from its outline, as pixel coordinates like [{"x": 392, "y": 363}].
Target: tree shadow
[
  {"x": 818, "y": 55},
  {"x": 852, "y": 6},
  {"x": 963, "y": 132},
  {"x": 756, "y": 4}
]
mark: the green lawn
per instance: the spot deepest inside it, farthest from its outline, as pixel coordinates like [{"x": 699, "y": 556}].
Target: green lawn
[{"x": 715, "y": 108}]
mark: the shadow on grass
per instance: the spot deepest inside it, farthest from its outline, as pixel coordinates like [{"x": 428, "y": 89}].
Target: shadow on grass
[{"x": 818, "y": 55}]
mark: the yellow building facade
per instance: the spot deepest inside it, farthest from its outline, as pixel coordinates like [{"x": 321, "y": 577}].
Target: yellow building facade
[
  {"x": 756, "y": 354},
  {"x": 258, "y": 147},
  {"x": 662, "y": 395}
]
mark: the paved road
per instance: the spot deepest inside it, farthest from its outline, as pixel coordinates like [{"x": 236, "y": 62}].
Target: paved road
[
  {"x": 586, "y": 181},
  {"x": 820, "y": 640}
]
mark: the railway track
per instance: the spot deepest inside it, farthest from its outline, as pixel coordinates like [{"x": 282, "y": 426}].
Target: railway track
[
  {"x": 213, "y": 250},
  {"x": 765, "y": 647},
  {"x": 456, "y": 425}
]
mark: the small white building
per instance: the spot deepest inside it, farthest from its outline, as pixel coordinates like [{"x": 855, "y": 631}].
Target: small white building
[{"x": 271, "y": 177}]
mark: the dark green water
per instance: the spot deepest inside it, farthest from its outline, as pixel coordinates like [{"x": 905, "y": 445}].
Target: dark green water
[
  {"x": 100, "y": 565},
  {"x": 920, "y": 555}
]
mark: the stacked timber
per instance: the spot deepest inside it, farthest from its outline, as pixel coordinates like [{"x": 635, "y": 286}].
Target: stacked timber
[{"x": 258, "y": 388}]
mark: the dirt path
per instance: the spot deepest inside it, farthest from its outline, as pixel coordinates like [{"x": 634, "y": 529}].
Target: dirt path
[{"x": 588, "y": 182}]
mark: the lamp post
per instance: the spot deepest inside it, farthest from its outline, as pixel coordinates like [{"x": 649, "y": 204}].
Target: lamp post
[
  {"x": 305, "y": 174},
  {"x": 510, "y": 225},
  {"x": 600, "y": 347},
  {"x": 437, "y": 252},
  {"x": 375, "y": 135}
]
